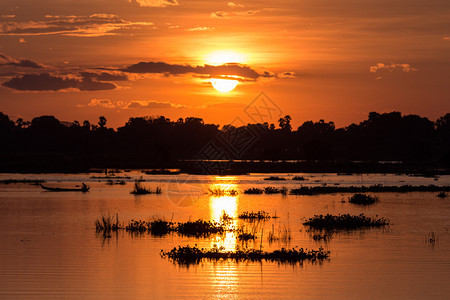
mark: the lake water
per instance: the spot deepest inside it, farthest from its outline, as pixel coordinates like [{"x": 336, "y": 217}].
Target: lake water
[{"x": 49, "y": 247}]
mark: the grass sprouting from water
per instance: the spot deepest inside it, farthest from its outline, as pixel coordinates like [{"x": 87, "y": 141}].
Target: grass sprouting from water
[
  {"x": 273, "y": 190},
  {"x": 442, "y": 195},
  {"x": 282, "y": 234},
  {"x": 191, "y": 255},
  {"x": 362, "y": 199},
  {"x": 252, "y": 216},
  {"x": 217, "y": 191},
  {"x": 140, "y": 189},
  {"x": 108, "y": 223},
  {"x": 255, "y": 191},
  {"x": 274, "y": 178},
  {"x": 200, "y": 228},
  {"x": 28, "y": 181},
  {"x": 345, "y": 221},
  {"x": 377, "y": 188}
]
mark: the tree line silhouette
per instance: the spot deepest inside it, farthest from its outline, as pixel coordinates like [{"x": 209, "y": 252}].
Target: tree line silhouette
[{"x": 46, "y": 143}]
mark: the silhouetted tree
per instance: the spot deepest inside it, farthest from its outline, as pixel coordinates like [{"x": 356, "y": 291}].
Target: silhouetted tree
[
  {"x": 285, "y": 123},
  {"x": 102, "y": 122}
]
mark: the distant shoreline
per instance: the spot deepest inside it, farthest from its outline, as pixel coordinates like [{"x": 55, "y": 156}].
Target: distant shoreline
[{"x": 61, "y": 164}]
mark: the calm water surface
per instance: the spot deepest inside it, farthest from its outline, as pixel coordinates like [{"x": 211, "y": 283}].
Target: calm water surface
[{"x": 49, "y": 247}]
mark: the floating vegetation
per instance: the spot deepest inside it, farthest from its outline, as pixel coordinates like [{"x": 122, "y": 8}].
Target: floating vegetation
[
  {"x": 442, "y": 195},
  {"x": 218, "y": 191},
  {"x": 254, "y": 191},
  {"x": 299, "y": 178},
  {"x": 225, "y": 218},
  {"x": 160, "y": 226},
  {"x": 251, "y": 216},
  {"x": 378, "y": 188},
  {"x": 345, "y": 221},
  {"x": 108, "y": 223},
  {"x": 161, "y": 172},
  {"x": 283, "y": 234},
  {"x": 273, "y": 190},
  {"x": 116, "y": 182},
  {"x": 191, "y": 255},
  {"x": 140, "y": 189},
  {"x": 200, "y": 228},
  {"x": 274, "y": 178},
  {"x": 28, "y": 181},
  {"x": 362, "y": 199},
  {"x": 155, "y": 227},
  {"x": 245, "y": 236}
]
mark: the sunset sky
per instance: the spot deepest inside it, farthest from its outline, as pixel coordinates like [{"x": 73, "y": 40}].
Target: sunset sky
[{"x": 321, "y": 59}]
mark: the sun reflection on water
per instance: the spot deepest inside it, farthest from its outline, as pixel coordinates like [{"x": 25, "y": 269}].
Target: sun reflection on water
[{"x": 226, "y": 202}]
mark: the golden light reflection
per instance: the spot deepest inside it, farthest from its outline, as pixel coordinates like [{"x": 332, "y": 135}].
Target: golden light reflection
[{"x": 226, "y": 201}]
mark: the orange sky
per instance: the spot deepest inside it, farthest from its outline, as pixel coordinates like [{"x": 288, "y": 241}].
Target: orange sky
[{"x": 325, "y": 59}]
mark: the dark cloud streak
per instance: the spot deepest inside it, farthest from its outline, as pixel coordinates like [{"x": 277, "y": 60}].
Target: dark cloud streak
[
  {"x": 231, "y": 69},
  {"x": 48, "y": 82}
]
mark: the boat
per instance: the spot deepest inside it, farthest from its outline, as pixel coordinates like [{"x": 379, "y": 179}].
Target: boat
[{"x": 84, "y": 188}]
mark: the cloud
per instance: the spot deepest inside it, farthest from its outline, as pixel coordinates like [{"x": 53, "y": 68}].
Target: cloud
[
  {"x": 22, "y": 40},
  {"x": 105, "y": 103},
  {"x": 6, "y": 60},
  {"x": 151, "y": 105},
  {"x": 83, "y": 26},
  {"x": 379, "y": 67},
  {"x": 446, "y": 38},
  {"x": 104, "y": 76},
  {"x": 200, "y": 29},
  {"x": 225, "y": 15},
  {"x": 135, "y": 104},
  {"x": 231, "y": 69},
  {"x": 286, "y": 75},
  {"x": 155, "y": 3},
  {"x": 219, "y": 14},
  {"x": 232, "y": 4},
  {"x": 7, "y": 16},
  {"x": 49, "y": 82}
]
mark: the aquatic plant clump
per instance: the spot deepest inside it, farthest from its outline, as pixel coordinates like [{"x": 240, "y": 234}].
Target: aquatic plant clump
[
  {"x": 378, "y": 188},
  {"x": 274, "y": 178},
  {"x": 254, "y": 191},
  {"x": 155, "y": 227},
  {"x": 140, "y": 189},
  {"x": 362, "y": 199},
  {"x": 161, "y": 227},
  {"x": 283, "y": 234},
  {"x": 274, "y": 190},
  {"x": 189, "y": 255},
  {"x": 245, "y": 236},
  {"x": 346, "y": 221},
  {"x": 200, "y": 228},
  {"x": 28, "y": 181},
  {"x": 222, "y": 192},
  {"x": 299, "y": 178},
  {"x": 108, "y": 223},
  {"x": 260, "y": 215},
  {"x": 442, "y": 195}
]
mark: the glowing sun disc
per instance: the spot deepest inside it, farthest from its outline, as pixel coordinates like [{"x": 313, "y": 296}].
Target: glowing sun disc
[{"x": 224, "y": 85}]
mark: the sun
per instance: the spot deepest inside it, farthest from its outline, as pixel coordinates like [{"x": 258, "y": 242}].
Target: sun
[{"x": 224, "y": 85}]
